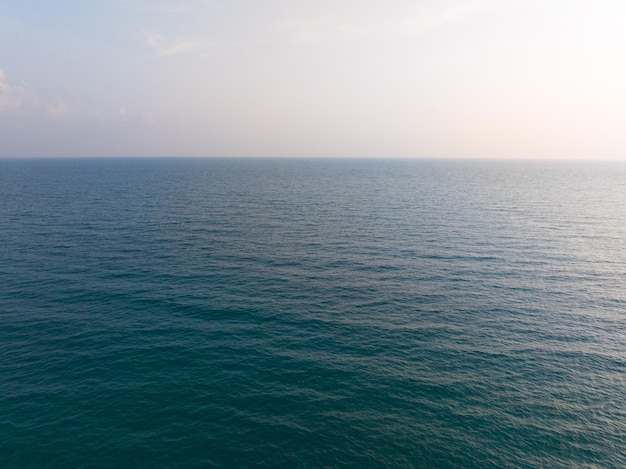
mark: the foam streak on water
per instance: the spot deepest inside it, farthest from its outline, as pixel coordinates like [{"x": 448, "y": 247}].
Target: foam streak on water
[{"x": 307, "y": 313}]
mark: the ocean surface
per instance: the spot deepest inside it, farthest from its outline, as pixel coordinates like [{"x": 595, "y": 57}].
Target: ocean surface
[{"x": 312, "y": 313}]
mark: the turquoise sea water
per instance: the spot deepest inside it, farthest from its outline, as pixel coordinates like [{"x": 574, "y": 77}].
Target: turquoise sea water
[{"x": 312, "y": 313}]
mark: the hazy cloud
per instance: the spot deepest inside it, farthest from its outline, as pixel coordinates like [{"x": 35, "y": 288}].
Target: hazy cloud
[
  {"x": 10, "y": 97},
  {"x": 423, "y": 21},
  {"x": 171, "y": 8},
  {"x": 58, "y": 109},
  {"x": 377, "y": 22},
  {"x": 164, "y": 46},
  {"x": 18, "y": 101}
]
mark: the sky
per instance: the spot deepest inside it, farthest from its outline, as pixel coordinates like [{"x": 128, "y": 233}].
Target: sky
[{"x": 327, "y": 78}]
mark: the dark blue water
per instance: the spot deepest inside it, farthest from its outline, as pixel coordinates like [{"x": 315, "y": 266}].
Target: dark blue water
[{"x": 312, "y": 313}]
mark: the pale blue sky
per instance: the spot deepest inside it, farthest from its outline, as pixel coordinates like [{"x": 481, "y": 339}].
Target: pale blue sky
[{"x": 362, "y": 78}]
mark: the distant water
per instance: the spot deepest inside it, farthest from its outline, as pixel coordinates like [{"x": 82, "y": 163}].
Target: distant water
[{"x": 312, "y": 313}]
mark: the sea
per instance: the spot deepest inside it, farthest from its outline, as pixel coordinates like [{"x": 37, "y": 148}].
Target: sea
[{"x": 312, "y": 313}]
